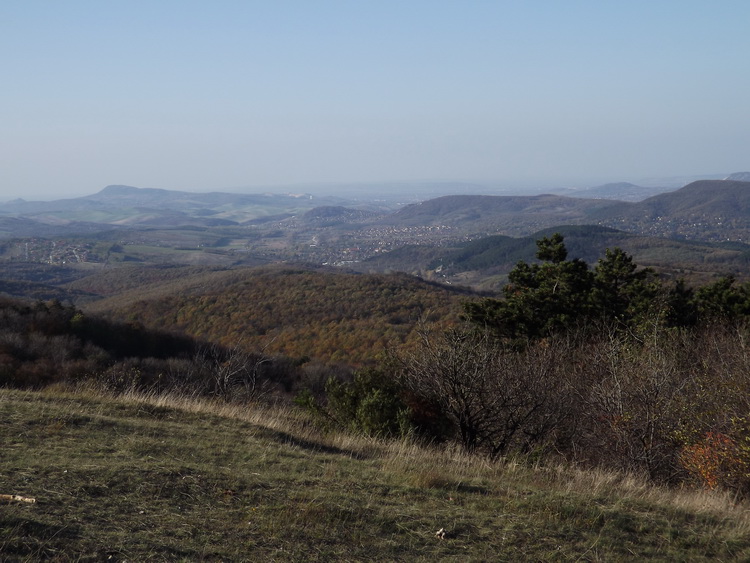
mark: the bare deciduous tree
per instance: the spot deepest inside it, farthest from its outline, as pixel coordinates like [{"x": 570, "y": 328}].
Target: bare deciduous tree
[
  {"x": 498, "y": 399},
  {"x": 233, "y": 368}
]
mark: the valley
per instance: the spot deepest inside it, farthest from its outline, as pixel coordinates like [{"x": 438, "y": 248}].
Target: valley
[
  {"x": 694, "y": 232},
  {"x": 544, "y": 352}
]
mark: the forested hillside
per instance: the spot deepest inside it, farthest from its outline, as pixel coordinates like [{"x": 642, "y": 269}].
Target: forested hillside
[
  {"x": 707, "y": 210},
  {"x": 49, "y": 344},
  {"x": 484, "y": 262},
  {"x": 299, "y": 312}
]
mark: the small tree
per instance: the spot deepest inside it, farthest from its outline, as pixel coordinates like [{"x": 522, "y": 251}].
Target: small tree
[
  {"x": 723, "y": 300},
  {"x": 621, "y": 291},
  {"x": 370, "y": 404},
  {"x": 540, "y": 299},
  {"x": 559, "y": 294}
]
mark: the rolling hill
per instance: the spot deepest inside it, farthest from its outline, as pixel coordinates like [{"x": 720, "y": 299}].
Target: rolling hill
[
  {"x": 708, "y": 210},
  {"x": 131, "y": 206},
  {"x": 329, "y": 315},
  {"x": 483, "y": 263},
  {"x": 511, "y": 215}
]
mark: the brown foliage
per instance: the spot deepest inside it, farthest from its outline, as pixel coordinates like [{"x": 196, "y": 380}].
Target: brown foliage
[
  {"x": 328, "y": 315},
  {"x": 499, "y": 399}
]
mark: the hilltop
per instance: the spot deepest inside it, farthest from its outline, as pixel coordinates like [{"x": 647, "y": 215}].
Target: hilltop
[{"x": 139, "y": 478}]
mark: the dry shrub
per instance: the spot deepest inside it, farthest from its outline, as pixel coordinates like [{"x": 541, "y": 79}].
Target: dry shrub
[{"x": 715, "y": 460}]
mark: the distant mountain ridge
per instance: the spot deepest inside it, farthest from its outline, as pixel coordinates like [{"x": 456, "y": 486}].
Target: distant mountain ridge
[
  {"x": 119, "y": 205},
  {"x": 513, "y": 215},
  {"x": 712, "y": 210},
  {"x": 709, "y": 210},
  {"x": 458, "y": 239},
  {"x": 621, "y": 191}
]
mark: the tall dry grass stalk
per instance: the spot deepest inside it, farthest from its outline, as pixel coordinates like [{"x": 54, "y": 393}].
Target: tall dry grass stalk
[{"x": 606, "y": 483}]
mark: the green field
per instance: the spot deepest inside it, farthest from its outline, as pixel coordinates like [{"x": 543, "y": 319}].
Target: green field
[{"x": 171, "y": 479}]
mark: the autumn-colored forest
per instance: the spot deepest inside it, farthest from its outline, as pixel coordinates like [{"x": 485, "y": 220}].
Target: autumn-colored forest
[
  {"x": 604, "y": 366},
  {"x": 297, "y": 312}
]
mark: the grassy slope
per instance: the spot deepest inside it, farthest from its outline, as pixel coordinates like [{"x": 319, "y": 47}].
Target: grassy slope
[{"x": 140, "y": 479}]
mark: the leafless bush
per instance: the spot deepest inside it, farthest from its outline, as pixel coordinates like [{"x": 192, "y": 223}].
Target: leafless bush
[
  {"x": 498, "y": 399},
  {"x": 636, "y": 402},
  {"x": 233, "y": 372},
  {"x": 650, "y": 398}
]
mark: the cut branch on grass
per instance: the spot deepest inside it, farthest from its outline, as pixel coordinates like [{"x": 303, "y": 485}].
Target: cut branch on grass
[{"x": 17, "y": 498}]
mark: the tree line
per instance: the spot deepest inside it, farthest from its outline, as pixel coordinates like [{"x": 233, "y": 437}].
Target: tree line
[
  {"x": 604, "y": 366},
  {"x": 51, "y": 343}
]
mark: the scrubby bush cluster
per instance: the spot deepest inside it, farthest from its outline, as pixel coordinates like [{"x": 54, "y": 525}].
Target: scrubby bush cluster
[
  {"x": 604, "y": 367},
  {"x": 370, "y": 403},
  {"x": 46, "y": 343},
  {"x": 672, "y": 404}
]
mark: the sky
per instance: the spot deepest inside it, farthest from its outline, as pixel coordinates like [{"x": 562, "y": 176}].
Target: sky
[{"x": 203, "y": 96}]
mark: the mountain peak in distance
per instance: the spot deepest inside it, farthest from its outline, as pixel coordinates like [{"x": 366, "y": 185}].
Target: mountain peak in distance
[{"x": 739, "y": 177}]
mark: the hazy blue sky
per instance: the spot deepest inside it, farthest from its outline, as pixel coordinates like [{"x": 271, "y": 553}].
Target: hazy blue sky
[{"x": 220, "y": 94}]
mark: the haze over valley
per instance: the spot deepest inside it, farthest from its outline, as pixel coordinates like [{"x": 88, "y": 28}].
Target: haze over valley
[
  {"x": 379, "y": 231},
  {"x": 390, "y": 281}
]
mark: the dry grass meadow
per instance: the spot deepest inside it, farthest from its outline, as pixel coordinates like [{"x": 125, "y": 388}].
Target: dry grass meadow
[{"x": 171, "y": 478}]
